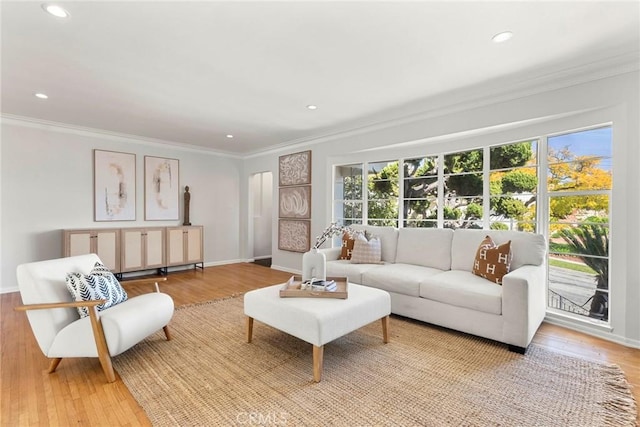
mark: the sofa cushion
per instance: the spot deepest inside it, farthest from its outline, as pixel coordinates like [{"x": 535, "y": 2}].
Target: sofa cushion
[
  {"x": 527, "y": 248},
  {"x": 463, "y": 289},
  {"x": 366, "y": 251},
  {"x": 399, "y": 278},
  {"x": 492, "y": 262},
  {"x": 344, "y": 268},
  {"x": 429, "y": 247},
  {"x": 388, "y": 239}
]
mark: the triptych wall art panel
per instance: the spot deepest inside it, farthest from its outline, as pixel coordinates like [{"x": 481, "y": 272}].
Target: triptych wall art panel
[
  {"x": 114, "y": 186},
  {"x": 114, "y": 191},
  {"x": 294, "y": 202},
  {"x": 295, "y": 169}
]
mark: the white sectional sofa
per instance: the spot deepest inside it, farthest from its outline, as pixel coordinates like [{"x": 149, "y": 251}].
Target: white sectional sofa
[{"x": 428, "y": 274}]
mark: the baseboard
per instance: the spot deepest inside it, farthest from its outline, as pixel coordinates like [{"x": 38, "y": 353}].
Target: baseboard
[
  {"x": 225, "y": 262},
  {"x": 286, "y": 269},
  {"x": 146, "y": 272},
  {"x": 9, "y": 290},
  {"x": 261, "y": 257},
  {"x": 627, "y": 342}
]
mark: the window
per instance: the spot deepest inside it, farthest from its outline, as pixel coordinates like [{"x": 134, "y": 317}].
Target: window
[
  {"x": 463, "y": 188},
  {"x": 559, "y": 185},
  {"x": 513, "y": 186},
  {"x": 382, "y": 193},
  {"x": 347, "y": 205},
  {"x": 420, "y": 190},
  {"x": 579, "y": 182}
]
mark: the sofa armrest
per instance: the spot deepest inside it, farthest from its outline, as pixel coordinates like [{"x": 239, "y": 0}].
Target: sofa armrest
[
  {"x": 523, "y": 303},
  {"x": 331, "y": 254}
]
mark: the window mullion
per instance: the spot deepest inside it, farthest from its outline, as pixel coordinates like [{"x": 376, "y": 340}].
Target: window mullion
[
  {"x": 401, "y": 200},
  {"x": 365, "y": 193},
  {"x": 440, "y": 190},
  {"x": 542, "y": 207},
  {"x": 486, "y": 188}
]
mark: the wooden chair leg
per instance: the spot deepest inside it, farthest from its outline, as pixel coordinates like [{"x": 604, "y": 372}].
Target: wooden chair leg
[
  {"x": 249, "y": 328},
  {"x": 101, "y": 345},
  {"x": 54, "y": 364},
  {"x": 167, "y": 333},
  {"x": 107, "y": 367}
]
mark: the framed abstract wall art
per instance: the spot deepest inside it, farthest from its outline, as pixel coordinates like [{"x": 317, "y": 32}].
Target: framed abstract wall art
[
  {"x": 294, "y": 235},
  {"x": 161, "y": 188},
  {"x": 295, "y": 202},
  {"x": 114, "y": 186},
  {"x": 294, "y": 169}
]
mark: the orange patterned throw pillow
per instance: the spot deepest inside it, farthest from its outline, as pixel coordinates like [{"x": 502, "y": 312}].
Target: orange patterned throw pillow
[
  {"x": 347, "y": 246},
  {"x": 492, "y": 262}
]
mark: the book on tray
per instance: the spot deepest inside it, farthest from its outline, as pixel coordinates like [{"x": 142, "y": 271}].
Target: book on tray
[{"x": 320, "y": 285}]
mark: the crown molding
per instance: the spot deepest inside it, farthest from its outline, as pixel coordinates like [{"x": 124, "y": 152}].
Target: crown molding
[
  {"x": 509, "y": 88},
  {"x": 105, "y": 134}
]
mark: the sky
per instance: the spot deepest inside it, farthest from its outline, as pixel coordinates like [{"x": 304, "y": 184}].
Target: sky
[{"x": 593, "y": 142}]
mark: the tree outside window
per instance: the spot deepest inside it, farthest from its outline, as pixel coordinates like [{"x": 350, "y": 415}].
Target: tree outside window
[{"x": 382, "y": 188}]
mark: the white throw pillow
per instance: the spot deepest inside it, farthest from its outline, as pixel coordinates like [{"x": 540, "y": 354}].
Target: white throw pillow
[
  {"x": 100, "y": 283},
  {"x": 366, "y": 251}
]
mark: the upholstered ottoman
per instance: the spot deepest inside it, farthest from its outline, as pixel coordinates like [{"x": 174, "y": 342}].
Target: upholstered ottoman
[{"x": 318, "y": 321}]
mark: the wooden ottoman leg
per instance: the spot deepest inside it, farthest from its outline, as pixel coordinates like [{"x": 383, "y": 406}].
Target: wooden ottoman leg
[
  {"x": 249, "y": 328},
  {"x": 385, "y": 329},
  {"x": 318, "y": 354}
]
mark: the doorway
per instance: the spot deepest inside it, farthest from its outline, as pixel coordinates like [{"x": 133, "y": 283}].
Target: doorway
[{"x": 261, "y": 216}]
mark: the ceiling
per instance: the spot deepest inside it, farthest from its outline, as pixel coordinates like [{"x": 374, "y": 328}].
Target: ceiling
[{"x": 193, "y": 72}]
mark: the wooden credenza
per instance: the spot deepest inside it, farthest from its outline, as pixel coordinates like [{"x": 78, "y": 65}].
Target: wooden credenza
[
  {"x": 138, "y": 248},
  {"x": 184, "y": 245}
]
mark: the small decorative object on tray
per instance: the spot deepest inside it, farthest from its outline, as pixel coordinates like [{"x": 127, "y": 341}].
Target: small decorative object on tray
[{"x": 332, "y": 287}]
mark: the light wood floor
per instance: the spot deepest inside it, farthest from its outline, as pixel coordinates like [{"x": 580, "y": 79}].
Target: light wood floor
[{"x": 77, "y": 393}]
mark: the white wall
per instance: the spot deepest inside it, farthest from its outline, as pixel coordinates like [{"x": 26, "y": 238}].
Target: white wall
[
  {"x": 507, "y": 118},
  {"x": 47, "y": 185}
]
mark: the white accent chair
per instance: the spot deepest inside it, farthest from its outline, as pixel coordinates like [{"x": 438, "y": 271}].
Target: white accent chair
[{"x": 58, "y": 328}]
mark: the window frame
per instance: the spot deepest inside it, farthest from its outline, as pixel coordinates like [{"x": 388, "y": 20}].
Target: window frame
[{"x": 541, "y": 205}]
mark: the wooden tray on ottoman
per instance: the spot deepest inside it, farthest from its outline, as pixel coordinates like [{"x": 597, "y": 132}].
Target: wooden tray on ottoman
[{"x": 292, "y": 289}]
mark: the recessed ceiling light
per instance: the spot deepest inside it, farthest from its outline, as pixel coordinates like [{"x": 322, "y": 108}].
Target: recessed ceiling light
[
  {"x": 55, "y": 10},
  {"x": 312, "y": 107},
  {"x": 502, "y": 37},
  {"x": 229, "y": 136},
  {"x": 41, "y": 96}
]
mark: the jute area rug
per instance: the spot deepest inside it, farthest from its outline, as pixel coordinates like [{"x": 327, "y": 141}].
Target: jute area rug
[{"x": 425, "y": 376}]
